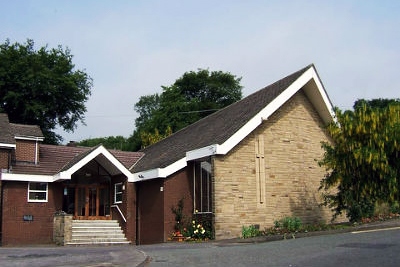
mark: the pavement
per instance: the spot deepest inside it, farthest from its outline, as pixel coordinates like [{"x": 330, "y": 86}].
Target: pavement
[{"x": 130, "y": 255}]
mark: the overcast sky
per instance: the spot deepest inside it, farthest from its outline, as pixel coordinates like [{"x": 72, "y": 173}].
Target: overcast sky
[{"x": 132, "y": 48}]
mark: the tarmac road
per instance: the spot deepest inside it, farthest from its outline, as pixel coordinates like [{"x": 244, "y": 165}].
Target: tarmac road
[
  {"x": 367, "y": 248},
  {"x": 378, "y": 246},
  {"x": 93, "y": 256}
]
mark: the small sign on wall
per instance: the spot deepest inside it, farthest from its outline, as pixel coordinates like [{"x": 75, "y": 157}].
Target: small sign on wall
[{"x": 27, "y": 218}]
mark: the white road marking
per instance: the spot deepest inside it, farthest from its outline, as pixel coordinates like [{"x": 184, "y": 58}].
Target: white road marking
[{"x": 376, "y": 230}]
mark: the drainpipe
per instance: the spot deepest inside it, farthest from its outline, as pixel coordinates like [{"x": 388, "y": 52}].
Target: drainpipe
[
  {"x": 137, "y": 186},
  {"x": 36, "y": 152}
]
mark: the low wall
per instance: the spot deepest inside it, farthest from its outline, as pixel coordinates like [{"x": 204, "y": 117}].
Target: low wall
[{"x": 62, "y": 232}]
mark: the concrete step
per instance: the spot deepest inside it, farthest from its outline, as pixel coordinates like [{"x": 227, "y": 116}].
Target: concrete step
[
  {"x": 97, "y": 232},
  {"x": 106, "y": 243}
]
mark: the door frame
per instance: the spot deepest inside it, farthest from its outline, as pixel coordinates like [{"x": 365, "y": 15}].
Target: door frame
[{"x": 89, "y": 201}]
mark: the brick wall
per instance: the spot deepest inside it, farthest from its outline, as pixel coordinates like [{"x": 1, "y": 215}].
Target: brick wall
[
  {"x": 127, "y": 207},
  {"x": 16, "y": 231},
  {"x": 176, "y": 187},
  {"x": 4, "y": 158},
  {"x": 130, "y": 212},
  {"x": 25, "y": 150},
  {"x": 291, "y": 144},
  {"x": 151, "y": 211}
]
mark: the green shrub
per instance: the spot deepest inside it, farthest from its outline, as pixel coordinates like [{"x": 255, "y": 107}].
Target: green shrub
[
  {"x": 250, "y": 231},
  {"x": 289, "y": 224},
  {"x": 362, "y": 209},
  {"x": 395, "y": 207}
]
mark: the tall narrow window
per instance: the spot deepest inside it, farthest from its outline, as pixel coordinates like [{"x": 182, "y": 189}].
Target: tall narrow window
[
  {"x": 202, "y": 187},
  {"x": 260, "y": 169},
  {"x": 118, "y": 193},
  {"x": 37, "y": 192}
]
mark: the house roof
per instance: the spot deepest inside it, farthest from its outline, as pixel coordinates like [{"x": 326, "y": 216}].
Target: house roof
[
  {"x": 55, "y": 160},
  {"x": 6, "y": 138},
  {"x": 10, "y": 131},
  {"x": 26, "y": 131},
  {"x": 59, "y": 162},
  {"x": 222, "y": 130}
]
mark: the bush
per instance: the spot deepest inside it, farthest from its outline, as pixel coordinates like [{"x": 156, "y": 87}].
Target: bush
[
  {"x": 289, "y": 224},
  {"x": 250, "y": 231},
  {"x": 363, "y": 209}
]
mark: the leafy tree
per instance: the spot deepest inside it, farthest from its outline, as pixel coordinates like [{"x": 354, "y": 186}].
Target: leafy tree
[
  {"x": 111, "y": 142},
  {"x": 145, "y": 107},
  {"x": 41, "y": 87},
  {"x": 150, "y": 138},
  {"x": 363, "y": 158},
  {"x": 193, "y": 96}
]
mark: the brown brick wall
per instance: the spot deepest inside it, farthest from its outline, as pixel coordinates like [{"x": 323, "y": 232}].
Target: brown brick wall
[
  {"x": 130, "y": 211},
  {"x": 151, "y": 211},
  {"x": 128, "y": 207},
  {"x": 291, "y": 139},
  {"x": 25, "y": 150},
  {"x": 4, "y": 158},
  {"x": 176, "y": 187},
  {"x": 15, "y": 231}
]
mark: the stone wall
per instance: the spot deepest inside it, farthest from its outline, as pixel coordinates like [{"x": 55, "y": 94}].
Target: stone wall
[
  {"x": 62, "y": 231},
  {"x": 282, "y": 179}
]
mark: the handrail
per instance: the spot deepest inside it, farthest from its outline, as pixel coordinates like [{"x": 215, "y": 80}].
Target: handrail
[{"x": 120, "y": 212}]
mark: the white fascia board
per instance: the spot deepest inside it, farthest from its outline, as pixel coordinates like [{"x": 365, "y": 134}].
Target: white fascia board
[
  {"x": 326, "y": 101},
  {"x": 66, "y": 175},
  {"x": 159, "y": 172},
  {"x": 26, "y": 177},
  {"x": 266, "y": 112},
  {"x": 30, "y": 138},
  {"x": 7, "y": 145},
  {"x": 201, "y": 152},
  {"x": 146, "y": 175}
]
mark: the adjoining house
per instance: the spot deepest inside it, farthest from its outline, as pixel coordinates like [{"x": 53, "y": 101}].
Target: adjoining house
[
  {"x": 250, "y": 163},
  {"x": 39, "y": 181}
]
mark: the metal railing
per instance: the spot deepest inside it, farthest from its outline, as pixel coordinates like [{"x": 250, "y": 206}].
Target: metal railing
[{"x": 120, "y": 212}]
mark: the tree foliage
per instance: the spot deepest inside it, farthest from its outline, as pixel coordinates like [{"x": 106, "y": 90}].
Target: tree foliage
[
  {"x": 110, "y": 142},
  {"x": 193, "y": 96},
  {"x": 41, "y": 87},
  {"x": 152, "y": 138},
  {"x": 363, "y": 158}
]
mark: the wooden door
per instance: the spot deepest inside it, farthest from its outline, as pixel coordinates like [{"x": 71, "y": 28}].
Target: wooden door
[{"x": 92, "y": 202}]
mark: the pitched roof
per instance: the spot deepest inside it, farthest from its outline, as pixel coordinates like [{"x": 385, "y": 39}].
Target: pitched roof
[
  {"x": 6, "y": 137},
  {"x": 219, "y": 127},
  {"x": 10, "y": 131},
  {"x": 24, "y": 130},
  {"x": 54, "y": 159}
]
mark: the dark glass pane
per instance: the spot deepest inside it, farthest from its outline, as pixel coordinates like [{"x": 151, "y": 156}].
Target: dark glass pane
[
  {"x": 37, "y": 195},
  {"x": 38, "y": 186}
]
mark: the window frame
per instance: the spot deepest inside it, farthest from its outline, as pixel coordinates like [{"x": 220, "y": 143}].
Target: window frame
[
  {"x": 205, "y": 206},
  {"x": 38, "y": 191},
  {"x": 118, "y": 192}
]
